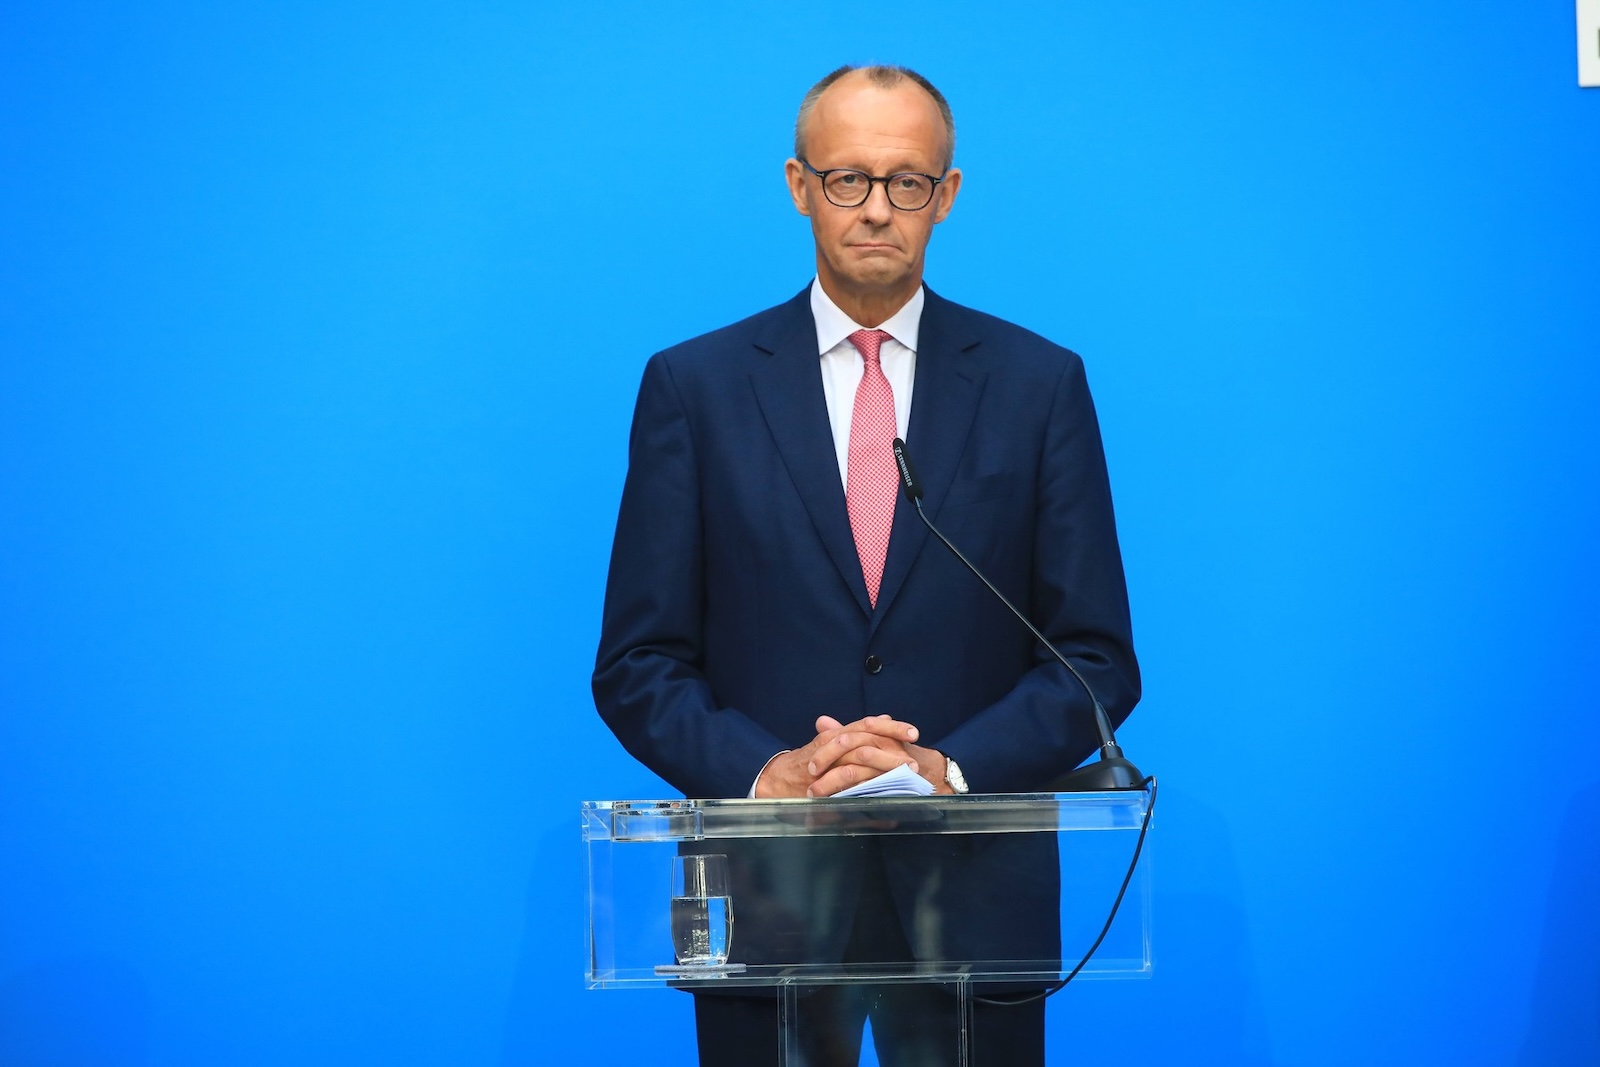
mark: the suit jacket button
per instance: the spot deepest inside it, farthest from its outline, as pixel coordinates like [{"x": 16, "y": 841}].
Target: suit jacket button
[{"x": 874, "y": 664}]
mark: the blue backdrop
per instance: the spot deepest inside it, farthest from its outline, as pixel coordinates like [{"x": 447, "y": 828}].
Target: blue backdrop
[{"x": 319, "y": 332}]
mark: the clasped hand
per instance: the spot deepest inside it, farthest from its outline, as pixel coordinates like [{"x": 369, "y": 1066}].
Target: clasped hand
[{"x": 841, "y": 756}]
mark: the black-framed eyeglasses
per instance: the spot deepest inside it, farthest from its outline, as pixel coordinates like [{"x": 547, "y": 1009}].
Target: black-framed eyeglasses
[{"x": 908, "y": 190}]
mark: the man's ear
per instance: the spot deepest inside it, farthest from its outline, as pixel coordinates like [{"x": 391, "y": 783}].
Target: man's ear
[
  {"x": 947, "y": 193},
  {"x": 795, "y": 174}
]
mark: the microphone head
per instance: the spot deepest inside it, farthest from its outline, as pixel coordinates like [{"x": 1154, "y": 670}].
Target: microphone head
[{"x": 908, "y": 473}]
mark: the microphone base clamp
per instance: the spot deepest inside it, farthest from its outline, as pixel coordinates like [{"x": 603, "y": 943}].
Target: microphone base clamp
[{"x": 1104, "y": 775}]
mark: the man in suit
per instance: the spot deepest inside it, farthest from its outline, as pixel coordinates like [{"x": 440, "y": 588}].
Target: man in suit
[{"x": 778, "y": 622}]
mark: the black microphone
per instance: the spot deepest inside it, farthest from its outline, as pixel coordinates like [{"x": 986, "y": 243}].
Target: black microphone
[{"x": 1111, "y": 771}]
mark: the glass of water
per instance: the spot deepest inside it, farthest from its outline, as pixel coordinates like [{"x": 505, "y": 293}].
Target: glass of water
[{"x": 702, "y": 914}]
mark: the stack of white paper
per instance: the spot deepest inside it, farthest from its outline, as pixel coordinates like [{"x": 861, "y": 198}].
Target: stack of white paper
[{"x": 900, "y": 782}]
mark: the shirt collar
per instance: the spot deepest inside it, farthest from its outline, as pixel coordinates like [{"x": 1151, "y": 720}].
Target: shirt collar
[{"x": 833, "y": 325}]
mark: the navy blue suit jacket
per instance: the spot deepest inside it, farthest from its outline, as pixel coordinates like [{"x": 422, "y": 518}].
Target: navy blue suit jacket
[{"x": 736, "y": 612}]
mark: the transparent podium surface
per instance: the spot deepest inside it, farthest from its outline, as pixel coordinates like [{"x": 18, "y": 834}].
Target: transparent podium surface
[{"x": 998, "y": 892}]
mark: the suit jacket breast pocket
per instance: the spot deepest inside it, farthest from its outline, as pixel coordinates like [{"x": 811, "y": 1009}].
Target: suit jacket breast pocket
[{"x": 984, "y": 487}]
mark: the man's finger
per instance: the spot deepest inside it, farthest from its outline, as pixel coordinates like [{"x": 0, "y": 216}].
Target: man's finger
[
  {"x": 874, "y": 761},
  {"x": 838, "y": 779},
  {"x": 853, "y": 746},
  {"x": 826, "y": 750},
  {"x": 877, "y": 760},
  {"x": 886, "y": 725}
]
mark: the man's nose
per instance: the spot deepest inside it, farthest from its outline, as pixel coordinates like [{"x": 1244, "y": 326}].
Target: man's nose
[{"x": 877, "y": 209}]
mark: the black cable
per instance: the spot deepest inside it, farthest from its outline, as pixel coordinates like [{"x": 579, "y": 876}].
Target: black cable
[{"x": 1138, "y": 847}]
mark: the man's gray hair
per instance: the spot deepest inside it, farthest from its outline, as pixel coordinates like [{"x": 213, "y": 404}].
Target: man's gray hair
[{"x": 884, "y": 77}]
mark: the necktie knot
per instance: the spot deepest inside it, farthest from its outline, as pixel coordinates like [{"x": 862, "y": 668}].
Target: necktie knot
[{"x": 867, "y": 342}]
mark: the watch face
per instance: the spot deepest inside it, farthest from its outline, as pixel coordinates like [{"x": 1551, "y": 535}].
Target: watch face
[{"x": 953, "y": 776}]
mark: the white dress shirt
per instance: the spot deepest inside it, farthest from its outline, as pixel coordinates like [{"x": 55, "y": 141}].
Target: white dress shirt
[{"x": 842, "y": 365}]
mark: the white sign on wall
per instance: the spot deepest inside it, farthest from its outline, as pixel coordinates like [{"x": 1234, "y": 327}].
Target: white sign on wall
[{"x": 1589, "y": 42}]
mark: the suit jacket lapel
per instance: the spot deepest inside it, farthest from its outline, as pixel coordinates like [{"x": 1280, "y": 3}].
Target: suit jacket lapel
[
  {"x": 944, "y": 400},
  {"x": 788, "y": 386}
]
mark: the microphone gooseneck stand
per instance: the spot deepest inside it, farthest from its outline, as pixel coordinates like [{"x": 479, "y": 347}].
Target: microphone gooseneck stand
[{"x": 1111, "y": 771}]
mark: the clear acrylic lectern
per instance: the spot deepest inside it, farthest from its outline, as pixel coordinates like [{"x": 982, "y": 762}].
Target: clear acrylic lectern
[{"x": 1001, "y": 892}]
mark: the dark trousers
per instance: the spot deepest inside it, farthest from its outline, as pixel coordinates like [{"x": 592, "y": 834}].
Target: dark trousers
[{"x": 913, "y": 1024}]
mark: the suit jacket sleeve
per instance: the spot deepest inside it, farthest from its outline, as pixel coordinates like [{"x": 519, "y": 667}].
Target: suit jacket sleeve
[{"x": 649, "y": 684}]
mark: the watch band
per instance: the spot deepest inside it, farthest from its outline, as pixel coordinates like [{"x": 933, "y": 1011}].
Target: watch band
[{"x": 953, "y": 776}]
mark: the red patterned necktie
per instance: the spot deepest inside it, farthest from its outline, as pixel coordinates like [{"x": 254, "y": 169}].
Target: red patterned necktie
[{"x": 871, "y": 481}]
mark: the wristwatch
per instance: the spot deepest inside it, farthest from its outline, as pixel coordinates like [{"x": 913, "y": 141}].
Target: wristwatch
[{"x": 953, "y": 777}]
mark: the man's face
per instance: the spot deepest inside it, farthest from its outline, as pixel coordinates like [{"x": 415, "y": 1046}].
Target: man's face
[{"x": 872, "y": 252}]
